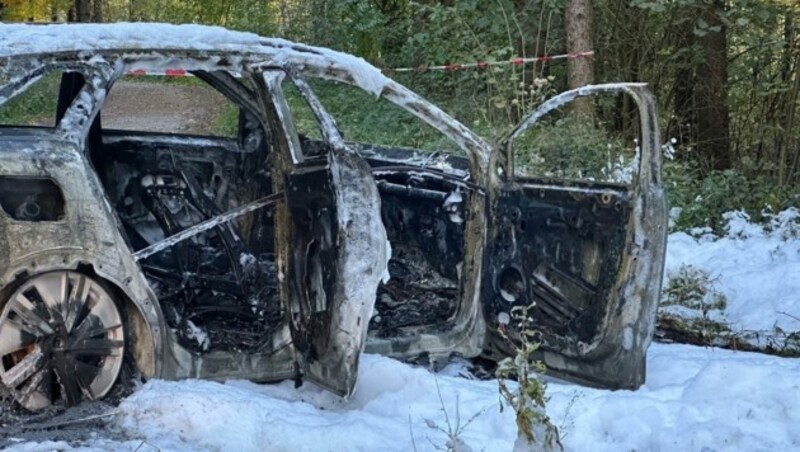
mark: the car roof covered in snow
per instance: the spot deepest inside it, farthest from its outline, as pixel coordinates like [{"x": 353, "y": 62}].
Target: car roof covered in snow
[
  {"x": 120, "y": 38},
  {"x": 152, "y": 46}
]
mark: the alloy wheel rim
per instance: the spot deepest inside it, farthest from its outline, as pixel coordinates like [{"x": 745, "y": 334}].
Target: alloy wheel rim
[{"x": 61, "y": 339}]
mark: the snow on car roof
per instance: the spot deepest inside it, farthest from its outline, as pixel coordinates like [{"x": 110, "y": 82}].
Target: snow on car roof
[
  {"x": 31, "y": 39},
  {"x": 20, "y": 40}
]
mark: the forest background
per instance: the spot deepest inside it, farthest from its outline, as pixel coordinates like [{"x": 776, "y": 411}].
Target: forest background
[{"x": 726, "y": 74}]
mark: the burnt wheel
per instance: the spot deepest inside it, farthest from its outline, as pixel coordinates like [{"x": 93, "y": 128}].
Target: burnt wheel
[{"x": 61, "y": 340}]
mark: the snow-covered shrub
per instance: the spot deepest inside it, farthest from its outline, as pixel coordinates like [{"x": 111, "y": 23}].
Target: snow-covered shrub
[
  {"x": 693, "y": 288},
  {"x": 535, "y": 431},
  {"x": 691, "y": 304},
  {"x": 453, "y": 429},
  {"x": 786, "y": 223}
]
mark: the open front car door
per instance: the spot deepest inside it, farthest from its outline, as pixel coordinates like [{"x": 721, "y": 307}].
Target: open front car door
[
  {"x": 588, "y": 256},
  {"x": 332, "y": 249},
  {"x": 337, "y": 257}
]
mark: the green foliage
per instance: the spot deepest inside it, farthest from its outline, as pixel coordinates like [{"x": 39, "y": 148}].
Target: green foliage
[
  {"x": 416, "y": 33},
  {"x": 529, "y": 399},
  {"x": 566, "y": 147},
  {"x": 703, "y": 200},
  {"x": 36, "y": 105},
  {"x": 692, "y": 287},
  {"x": 354, "y": 26},
  {"x": 656, "y": 41},
  {"x": 364, "y": 118}
]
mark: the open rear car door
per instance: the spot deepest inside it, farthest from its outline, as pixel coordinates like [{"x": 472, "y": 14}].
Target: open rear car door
[
  {"x": 333, "y": 250},
  {"x": 588, "y": 256}
]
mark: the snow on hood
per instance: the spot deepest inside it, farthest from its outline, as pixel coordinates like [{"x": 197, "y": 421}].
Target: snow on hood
[{"x": 25, "y": 39}]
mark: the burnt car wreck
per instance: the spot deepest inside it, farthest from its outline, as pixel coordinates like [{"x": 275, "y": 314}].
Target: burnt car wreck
[{"x": 272, "y": 256}]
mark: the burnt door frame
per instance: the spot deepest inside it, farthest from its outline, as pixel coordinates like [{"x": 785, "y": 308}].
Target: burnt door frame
[{"x": 613, "y": 354}]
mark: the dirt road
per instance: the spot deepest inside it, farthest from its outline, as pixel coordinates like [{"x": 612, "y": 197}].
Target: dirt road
[{"x": 163, "y": 107}]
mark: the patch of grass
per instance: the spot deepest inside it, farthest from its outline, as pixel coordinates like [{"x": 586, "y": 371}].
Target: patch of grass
[
  {"x": 36, "y": 105},
  {"x": 226, "y": 124},
  {"x": 161, "y": 79}
]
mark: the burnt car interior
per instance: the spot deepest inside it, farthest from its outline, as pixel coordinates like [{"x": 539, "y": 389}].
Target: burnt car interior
[
  {"x": 218, "y": 289},
  {"x": 423, "y": 211}
]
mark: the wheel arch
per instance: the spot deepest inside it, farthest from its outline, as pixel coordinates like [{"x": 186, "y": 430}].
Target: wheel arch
[{"x": 143, "y": 320}]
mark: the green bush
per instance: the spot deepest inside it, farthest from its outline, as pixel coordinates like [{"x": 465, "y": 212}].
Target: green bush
[
  {"x": 569, "y": 148},
  {"x": 35, "y": 105},
  {"x": 703, "y": 200}
]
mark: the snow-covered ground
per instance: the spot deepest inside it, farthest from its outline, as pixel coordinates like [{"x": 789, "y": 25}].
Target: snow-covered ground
[
  {"x": 694, "y": 399},
  {"x": 756, "y": 268}
]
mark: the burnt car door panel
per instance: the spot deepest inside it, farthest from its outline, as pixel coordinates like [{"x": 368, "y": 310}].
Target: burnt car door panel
[
  {"x": 586, "y": 256},
  {"x": 561, "y": 247},
  {"x": 337, "y": 257},
  {"x": 332, "y": 245}
]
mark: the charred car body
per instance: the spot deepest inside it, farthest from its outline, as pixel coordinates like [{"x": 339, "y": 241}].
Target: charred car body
[{"x": 262, "y": 256}]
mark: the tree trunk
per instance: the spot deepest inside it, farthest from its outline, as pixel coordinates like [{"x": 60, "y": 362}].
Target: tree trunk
[
  {"x": 789, "y": 141},
  {"x": 684, "y": 126},
  {"x": 97, "y": 10},
  {"x": 136, "y": 9},
  {"x": 711, "y": 91},
  {"x": 53, "y": 11},
  {"x": 82, "y": 12},
  {"x": 580, "y": 71},
  {"x": 700, "y": 93}
]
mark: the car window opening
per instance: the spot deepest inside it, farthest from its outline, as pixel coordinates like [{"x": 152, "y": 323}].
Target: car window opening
[{"x": 218, "y": 287}]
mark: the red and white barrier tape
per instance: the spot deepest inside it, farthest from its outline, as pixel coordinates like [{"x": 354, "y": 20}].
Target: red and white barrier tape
[
  {"x": 446, "y": 67},
  {"x": 485, "y": 64}
]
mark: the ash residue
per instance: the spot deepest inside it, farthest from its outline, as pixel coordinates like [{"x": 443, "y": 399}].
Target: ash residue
[
  {"x": 76, "y": 425},
  {"x": 416, "y": 295}
]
